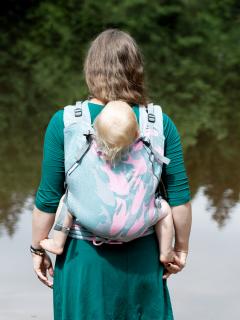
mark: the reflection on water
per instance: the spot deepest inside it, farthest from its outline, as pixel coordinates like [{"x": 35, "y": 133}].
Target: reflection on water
[
  {"x": 208, "y": 288},
  {"x": 22, "y": 297},
  {"x": 213, "y": 164},
  {"x": 20, "y": 161}
]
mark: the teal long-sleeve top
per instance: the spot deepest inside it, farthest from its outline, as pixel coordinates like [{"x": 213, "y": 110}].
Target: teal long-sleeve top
[{"x": 51, "y": 187}]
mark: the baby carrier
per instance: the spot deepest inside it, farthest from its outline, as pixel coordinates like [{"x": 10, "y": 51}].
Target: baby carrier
[{"x": 112, "y": 203}]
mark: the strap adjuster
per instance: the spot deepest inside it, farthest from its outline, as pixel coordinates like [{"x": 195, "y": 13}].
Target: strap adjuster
[
  {"x": 151, "y": 117},
  {"x": 89, "y": 136},
  {"x": 78, "y": 112}
]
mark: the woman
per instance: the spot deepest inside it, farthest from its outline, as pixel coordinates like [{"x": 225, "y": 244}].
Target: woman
[{"x": 110, "y": 281}]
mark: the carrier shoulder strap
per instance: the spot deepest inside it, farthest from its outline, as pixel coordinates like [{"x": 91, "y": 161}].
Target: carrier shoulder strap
[
  {"x": 151, "y": 130},
  {"x": 79, "y": 114}
]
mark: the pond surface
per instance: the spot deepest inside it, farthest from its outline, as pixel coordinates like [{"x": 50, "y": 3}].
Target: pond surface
[{"x": 209, "y": 287}]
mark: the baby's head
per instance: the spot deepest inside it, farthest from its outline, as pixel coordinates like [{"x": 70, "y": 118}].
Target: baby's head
[{"x": 116, "y": 129}]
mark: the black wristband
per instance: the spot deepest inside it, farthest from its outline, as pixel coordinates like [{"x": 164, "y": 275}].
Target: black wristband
[{"x": 39, "y": 252}]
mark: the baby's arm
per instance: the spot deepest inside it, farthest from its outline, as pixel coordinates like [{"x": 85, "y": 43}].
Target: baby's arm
[
  {"x": 63, "y": 223},
  {"x": 165, "y": 231}
]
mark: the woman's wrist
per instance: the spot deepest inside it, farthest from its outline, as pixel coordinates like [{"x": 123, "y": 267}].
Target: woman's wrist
[
  {"x": 178, "y": 250},
  {"x": 35, "y": 245},
  {"x": 36, "y": 251},
  {"x": 181, "y": 247}
]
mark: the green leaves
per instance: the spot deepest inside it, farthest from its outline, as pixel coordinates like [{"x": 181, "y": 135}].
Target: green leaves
[{"x": 190, "y": 49}]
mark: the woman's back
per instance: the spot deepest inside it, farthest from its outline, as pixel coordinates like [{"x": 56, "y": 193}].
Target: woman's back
[{"x": 111, "y": 282}]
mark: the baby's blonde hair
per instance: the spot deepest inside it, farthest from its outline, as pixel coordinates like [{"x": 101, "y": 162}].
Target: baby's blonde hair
[{"x": 116, "y": 129}]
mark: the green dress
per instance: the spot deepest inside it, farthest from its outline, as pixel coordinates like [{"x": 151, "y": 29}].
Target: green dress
[{"x": 109, "y": 282}]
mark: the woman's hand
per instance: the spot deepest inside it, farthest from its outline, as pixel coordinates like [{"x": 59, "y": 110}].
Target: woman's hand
[
  {"x": 180, "y": 258},
  {"x": 42, "y": 266},
  {"x": 42, "y": 223},
  {"x": 179, "y": 262},
  {"x": 182, "y": 219}
]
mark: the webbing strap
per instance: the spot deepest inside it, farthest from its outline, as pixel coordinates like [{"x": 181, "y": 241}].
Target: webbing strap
[
  {"x": 155, "y": 123},
  {"x": 84, "y": 149},
  {"x": 79, "y": 115},
  {"x": 150, "y": 122},
  {"x": 59, "y": 225},
  {"x": 151, "y": 119},
  {"x": 157, "y": 156}
]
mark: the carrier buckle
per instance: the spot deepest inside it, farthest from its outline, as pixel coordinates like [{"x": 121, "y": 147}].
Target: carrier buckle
[
  {"x": 78, "y": 112},
  {"x": 151, "y": 117}
]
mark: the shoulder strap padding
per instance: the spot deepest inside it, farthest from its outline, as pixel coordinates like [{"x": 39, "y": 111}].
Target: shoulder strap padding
[
  {"x": 151, "y": 128},
  {"x": 77, "y": 130},
  {"x": 78, "y": 113}
]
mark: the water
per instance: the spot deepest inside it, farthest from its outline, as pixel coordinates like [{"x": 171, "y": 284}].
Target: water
[
  {"x": 22, "y": 296},
  {"x": 208, "y": 288}
]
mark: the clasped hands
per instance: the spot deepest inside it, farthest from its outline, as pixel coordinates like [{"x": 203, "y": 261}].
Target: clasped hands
[{"x": 175, "y": 264}]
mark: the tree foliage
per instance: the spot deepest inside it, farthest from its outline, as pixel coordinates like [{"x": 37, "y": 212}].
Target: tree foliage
[{"x": 190, "y": 47}]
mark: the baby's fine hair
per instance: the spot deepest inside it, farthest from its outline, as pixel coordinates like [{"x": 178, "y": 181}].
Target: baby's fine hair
[{"x": 116, "y": 130}]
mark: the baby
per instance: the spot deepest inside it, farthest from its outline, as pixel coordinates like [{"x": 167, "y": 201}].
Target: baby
[{"x": 116, "y": 130}]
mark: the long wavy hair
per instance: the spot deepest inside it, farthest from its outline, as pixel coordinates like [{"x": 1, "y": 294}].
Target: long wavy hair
[{"x": 114, "y": 68}]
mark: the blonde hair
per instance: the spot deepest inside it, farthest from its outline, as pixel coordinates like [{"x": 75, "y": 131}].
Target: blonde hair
[
  {"x": 116, "y": 129},
  {"x": 114, "y": 68}
]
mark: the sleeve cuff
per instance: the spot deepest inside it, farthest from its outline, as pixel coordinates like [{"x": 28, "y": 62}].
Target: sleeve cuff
[
  {"x": 45, "y": 208},
  {"x": 178, "y": 202}
]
